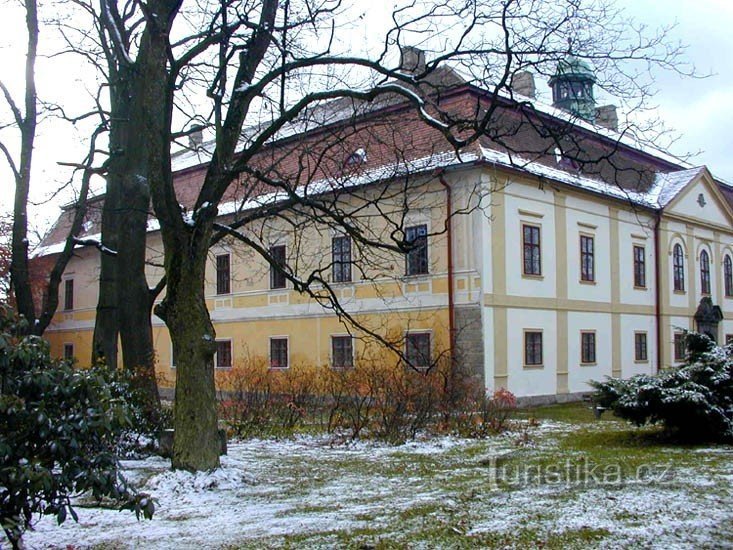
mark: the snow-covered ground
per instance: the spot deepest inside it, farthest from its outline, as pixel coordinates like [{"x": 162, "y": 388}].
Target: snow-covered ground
[{"x": 442, "y": 492}]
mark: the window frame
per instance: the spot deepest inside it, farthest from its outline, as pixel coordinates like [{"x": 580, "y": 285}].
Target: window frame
[
  {"x": 223, "y": 274},
  {"x": 230, "y": 352},
  {"x": 425, "y": 362},
  {"x": 531, "y": 248},
  {"x": 679, "y": 353},
  {"x": 587, "y": 272},
  {"x": 641, "y": 348},
  {"x": 279, "y": 339},
  {"x": 728, "y": 339},
  {"x": 529, "y": 360},
  {"x": 678, "y": 268},
  {"x": 639, "y": 255},
  {"x": 68, "y": 350},
  {"x": 589, "y": 348},
  {"x": 68, "y": 294},
  {"x": 705, "y": 282},
  {"x": 728, "y": 276},
  {"x": 350, "y": 354},
  {"x": 417, "y": 260},
  {"x": 340, "y": 265},
  {"x": 278, "y": 281}
]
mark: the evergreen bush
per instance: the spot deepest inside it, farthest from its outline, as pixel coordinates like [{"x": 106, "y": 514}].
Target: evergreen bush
[{"x": 694, "y": 401}]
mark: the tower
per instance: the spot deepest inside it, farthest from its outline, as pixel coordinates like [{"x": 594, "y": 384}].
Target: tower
[{"x": 572, "y": 88}]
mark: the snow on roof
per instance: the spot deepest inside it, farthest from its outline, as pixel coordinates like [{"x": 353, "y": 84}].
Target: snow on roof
[
  {"x": 668, "y": 185},
  {"x": 665, "y": 187}
]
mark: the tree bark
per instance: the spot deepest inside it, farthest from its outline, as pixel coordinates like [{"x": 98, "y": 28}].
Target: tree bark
[{"x": 196, "y": 441}]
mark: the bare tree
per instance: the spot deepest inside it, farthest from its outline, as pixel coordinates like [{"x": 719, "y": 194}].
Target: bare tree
[
  {"x": 290, "y": 113},
  {"x": 24, "y": 117}
]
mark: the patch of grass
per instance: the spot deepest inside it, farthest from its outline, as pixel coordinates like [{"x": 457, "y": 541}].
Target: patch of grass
[{"x": 575, "y": 412}]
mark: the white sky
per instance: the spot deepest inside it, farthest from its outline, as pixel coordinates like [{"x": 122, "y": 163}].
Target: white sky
[{"x": 699, "y": 110}]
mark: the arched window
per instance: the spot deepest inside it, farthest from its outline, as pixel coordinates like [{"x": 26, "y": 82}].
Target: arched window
[
  {"x": 704, "y": 272},
  {"x": 728, "y": 275},
  {"x": 678, "y": 262}
]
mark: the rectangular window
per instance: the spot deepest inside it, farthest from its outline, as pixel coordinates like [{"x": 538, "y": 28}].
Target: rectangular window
[
  {"x": 68, "y": 351},
  {"x": 587, "y": 259},
  {"x": 532, "y": 348},
  {"x": 639, "y": 267},
  {"x": 640, "y": 346},
  {"x": 417, "y": 349},
  {"x": 680, "y": 347},
  {"x": 173, "y": 357},
  {"x": 587, "y": 347},
  {"x": 278, "y": 353},
  {"x": 277, "y": 277},
  {"x": 69, "y": 294},
  {"x": 341, "y": 259},
  {"x": 223, "y": 357},
  {"x": 223, "y": 274},
  {"x": 728, "y": 339},
  {"x": 416, "y": 261},
  {"x": 532, "y": 252},
  {"x": 342, "y": 352}
]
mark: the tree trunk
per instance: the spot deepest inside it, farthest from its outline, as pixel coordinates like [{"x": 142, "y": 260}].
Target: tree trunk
[
  {"x": 134, "y": 297},
  {"x": 196, "y": 441},
  {"x": 125, "y": 301},
  {"x": 106, "y": 327}
]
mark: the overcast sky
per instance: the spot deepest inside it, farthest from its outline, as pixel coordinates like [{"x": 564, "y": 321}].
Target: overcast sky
[{"x": 699, "y": 110}]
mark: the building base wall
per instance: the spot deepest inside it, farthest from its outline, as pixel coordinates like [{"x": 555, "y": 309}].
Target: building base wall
[
  {"x": 551, "y": 399},
  {"x": 469, "y": 341}
]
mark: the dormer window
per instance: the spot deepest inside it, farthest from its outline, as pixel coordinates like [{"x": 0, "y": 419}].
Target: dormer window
[{"x": 356, "y": 158}]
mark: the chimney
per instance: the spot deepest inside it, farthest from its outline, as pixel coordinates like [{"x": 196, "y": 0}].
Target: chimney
[
  {"x": 412, "y": 60},
  {"x": 196, "y": 137},
  {"x": 523, "y": 84},
  {"x": 607, "y": 117}
]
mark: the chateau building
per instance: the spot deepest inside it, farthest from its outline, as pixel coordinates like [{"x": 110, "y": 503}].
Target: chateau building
[{"x": 539, "y": 262}]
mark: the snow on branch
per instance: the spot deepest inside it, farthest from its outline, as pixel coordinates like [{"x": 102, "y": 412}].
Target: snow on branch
[{"x": 96, "y": 244}]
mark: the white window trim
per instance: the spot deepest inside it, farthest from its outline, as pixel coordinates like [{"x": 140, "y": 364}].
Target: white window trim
[
  {"x": 231, "y": 353},
  {"x": 330, "y": 349},
  {"x": 429, "y": 332},
  {"x": 269, "y": 351}
]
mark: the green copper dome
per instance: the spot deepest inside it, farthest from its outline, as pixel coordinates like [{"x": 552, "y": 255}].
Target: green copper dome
[
  {"x": 572, "y": 87},
  {"x": 573, "y": 67}
]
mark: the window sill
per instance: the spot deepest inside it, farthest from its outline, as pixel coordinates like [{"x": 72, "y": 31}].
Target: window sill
[
  {"x": 641, "y": 287},
  {"x": 582, "y": 282},
  {"x": 680, "y": 292},
  {"x": 532, "y": 277},
  {"x": 641, "y": 361},
  {"x": 533, "y": 367},
  {"x": 278, "y": 368},
  {"x": 593, "y": 364},
  {"x": 416, "y": 276},
  {"x": 217, "y": 367}
]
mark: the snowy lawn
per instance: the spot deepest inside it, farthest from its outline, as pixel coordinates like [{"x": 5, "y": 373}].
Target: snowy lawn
[{"x": 567, "y": 481}]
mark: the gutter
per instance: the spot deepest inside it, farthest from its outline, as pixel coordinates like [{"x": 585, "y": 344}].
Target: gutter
[
  {"x": 657, "y": 291},
  {"x": 449, "y": 235}
]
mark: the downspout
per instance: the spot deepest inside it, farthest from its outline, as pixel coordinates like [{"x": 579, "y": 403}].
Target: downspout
[
  {"x": 449, "y": 234},
  {"x": 658, "y": 292}
]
